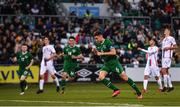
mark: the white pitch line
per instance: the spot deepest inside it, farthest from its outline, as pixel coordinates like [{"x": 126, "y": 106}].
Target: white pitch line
[{"x": 61, "y": 102}]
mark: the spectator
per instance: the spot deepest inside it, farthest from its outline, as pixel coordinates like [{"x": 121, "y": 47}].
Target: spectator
[{"x": 35, "y": 10}]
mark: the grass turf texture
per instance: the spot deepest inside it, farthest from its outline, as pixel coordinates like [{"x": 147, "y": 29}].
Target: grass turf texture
[{"x": 87, "y": 94}]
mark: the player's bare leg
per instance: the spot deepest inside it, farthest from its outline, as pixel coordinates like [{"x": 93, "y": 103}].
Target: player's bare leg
[{"x": 132, "y": 84}]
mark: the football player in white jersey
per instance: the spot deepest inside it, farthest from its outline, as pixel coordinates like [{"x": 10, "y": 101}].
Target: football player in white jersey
[
  {"x": 151, "y": 68},
  {"x": 168, "y": 45},
  {"x": 49, "y": 54}
]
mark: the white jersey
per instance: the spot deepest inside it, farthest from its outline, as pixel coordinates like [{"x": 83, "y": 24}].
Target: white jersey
[
  {"x": 152, "y": 64},
  {"x": 168, "y": 42},
  {"x": 47, "y": 52},
  {"x": 152, "y": 57}
]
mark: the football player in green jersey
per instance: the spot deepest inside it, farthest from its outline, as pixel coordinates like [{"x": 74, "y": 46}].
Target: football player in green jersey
[
  {"x": 107, "y": 52},
  {"x": 25, "y": 61},
  {"x": 72, "y": 55}
]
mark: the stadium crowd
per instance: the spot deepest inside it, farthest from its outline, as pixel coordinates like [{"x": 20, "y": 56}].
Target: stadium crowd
[
  {"x": 126, "y": 34},
  {"x": 28, "y": 7}
]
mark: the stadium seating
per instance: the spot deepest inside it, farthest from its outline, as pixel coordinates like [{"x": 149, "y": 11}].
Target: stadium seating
[{"x": 127, "y": 33}]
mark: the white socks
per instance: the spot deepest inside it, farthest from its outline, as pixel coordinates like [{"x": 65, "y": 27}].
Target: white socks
[
  {"x": 56, "y": 81},
  {"x": 169, "y": 81},
  {"x": 41, "y": 84},
  {"x": 165, "y": 80},
  {"x": 159, "y": 83},
  {"x": 145, "y": 83}
]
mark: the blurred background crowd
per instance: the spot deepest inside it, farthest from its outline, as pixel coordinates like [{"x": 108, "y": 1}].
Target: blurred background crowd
[{"x": 126, "y": 33}]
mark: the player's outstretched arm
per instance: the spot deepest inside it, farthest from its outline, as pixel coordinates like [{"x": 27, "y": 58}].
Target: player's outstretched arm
[
  {"x": 149, "y": 52},
  {"x": 59, "y": 55},
  {"x": 14, "y": 59},
  {"x": 77, "y": 57},
  {"x": 170, "y": 48},
  {"x": 146, "y": 51},
  {"x": 111, "y": 52},
  {"x": 94, "y": 51}
]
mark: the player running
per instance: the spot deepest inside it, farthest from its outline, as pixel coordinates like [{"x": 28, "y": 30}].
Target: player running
[
  {"x": 168, "y": 45},
  {"x": 107, "y": 52},
  {"x": 49, "y": 54},
  {"x": 152, "y": 68},
  {"x": 71, "y": 55},
  {"x": 25, "y": 61}
]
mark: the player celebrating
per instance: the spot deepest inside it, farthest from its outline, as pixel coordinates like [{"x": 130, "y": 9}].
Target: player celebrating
[
  {"x": 151, "y": 65},
  {"x": 107, "y": 52},
  {"x": 49, "y": 54},
  {"x": 71, "y": 54},
  {"x": 168, "y": 45},
  {"x": 25, "y": 61}
]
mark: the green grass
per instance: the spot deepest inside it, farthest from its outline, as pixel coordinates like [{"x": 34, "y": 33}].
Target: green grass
[{"x": 87, "y": 94}]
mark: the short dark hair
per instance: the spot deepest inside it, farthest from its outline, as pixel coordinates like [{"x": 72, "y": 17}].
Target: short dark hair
[
  {"x": 155, "y": 41},
  {"x": 46, "y": 37},
  {"x": 72, "y": 37},
  {"x": 24, "y": 44},
  {"x": 97, "y": 33},
  {"x": 167, "y": 27}
]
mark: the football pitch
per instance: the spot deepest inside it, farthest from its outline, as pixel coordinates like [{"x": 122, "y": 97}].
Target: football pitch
[{"x": 87, "y": 94}]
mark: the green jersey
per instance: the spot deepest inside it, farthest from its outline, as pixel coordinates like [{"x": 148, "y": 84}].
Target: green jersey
[
  {"x": 111, "y": 63},
  {"x": 70, "y": 64},
  {"x": 23, "y": 59},
  {"x": 106, "y": 46},
  {"x": 69, "y": 51}
]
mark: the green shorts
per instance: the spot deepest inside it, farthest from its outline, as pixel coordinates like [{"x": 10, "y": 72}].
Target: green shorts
[
  {"x": 23, "y": 72},
  {"x": 70, "y": 70},
  {"x": 113, "y": 66}
]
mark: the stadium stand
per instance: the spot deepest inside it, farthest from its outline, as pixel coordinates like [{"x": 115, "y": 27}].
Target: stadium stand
[{"x": 127, "y": 33}]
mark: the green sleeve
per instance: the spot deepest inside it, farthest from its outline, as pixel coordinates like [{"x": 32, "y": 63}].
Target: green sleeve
[
  {"x": 64, "y": 50},
  {"x": 109, "y": 44},
  {"x": 30, "y": 56}
]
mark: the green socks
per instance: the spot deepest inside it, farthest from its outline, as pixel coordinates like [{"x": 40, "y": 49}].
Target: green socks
[
  {"x": 108, "y": 84},
  {"x": 133, "y": 85},
  {"x": 63, "y": 84},
  {"x": 23, "y": 85}
]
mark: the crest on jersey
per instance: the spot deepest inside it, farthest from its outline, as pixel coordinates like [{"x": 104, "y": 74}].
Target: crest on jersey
[
  {"x": 73, "y": 50},
  {"x": 104, "y": 46}
]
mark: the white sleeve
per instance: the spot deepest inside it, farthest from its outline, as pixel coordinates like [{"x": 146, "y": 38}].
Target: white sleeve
[
  {"x": 145, "y": 50},
  {"x": 149, "y": 52},
  {"x": 42, "y": 50},
  {"x": 173, "y": 41},
  {"x": 52, "y": 49}
]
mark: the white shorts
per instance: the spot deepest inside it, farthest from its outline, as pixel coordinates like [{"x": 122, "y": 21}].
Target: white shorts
[
  {"x": 152, "y": 71},
  {"x": 49, "y": 67},
  {"x": 166, "y": 62}
]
